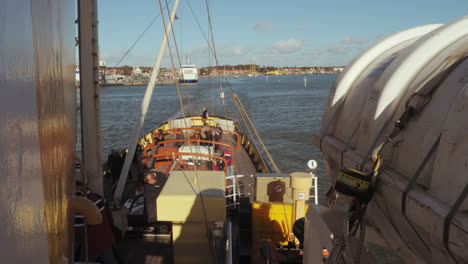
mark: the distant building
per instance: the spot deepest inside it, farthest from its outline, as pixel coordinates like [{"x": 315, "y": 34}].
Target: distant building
[
  {"x": 137, "y": 71},
  {"x": 111, "y": 71}
]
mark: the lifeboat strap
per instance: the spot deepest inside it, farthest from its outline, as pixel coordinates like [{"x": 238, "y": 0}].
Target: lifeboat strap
[
  {"x": 417, "y": 173},
  {"x": 355, "y": 130},
  {"x": 448, "y": 220},
  {"x": 411, "y": 184},
  {"x": 424, "y": 91}
]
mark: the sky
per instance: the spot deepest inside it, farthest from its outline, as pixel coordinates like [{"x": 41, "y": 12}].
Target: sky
[{"x": 263, "y": 32}]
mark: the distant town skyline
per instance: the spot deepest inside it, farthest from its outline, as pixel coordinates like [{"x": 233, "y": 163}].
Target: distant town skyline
[
  {"x": 104, "y": 64},
  {"x": 299, "y": 33}
]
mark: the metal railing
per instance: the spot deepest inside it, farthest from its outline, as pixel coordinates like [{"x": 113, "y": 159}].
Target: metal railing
[
  {"x": 172, "y": 130},
  {"x": 314, "y": 196},
  {"x": 233, "y": 191}
]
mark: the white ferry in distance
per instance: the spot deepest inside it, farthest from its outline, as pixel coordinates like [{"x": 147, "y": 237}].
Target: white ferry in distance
[{"x": 189, "y": 73}]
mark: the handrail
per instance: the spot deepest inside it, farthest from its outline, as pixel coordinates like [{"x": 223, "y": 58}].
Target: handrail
[
  {"x": 145, "y": 149},
  {"x": 180, "y": 154},
  {"x": 155, "y": 133},
  {"x": 214, "y": 118},
  {"x": 196, "y": 141},
  {"x": 234, "y": 186}
]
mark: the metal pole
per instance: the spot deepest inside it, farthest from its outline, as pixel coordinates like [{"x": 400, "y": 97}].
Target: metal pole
[
  {"x": 234, "y": 190},
  {"x": 89, "y": 94},
  {"x": 316, "y": 189},
  {"x": 228, "y": 259},
  {"x": 144, "y": 110}
]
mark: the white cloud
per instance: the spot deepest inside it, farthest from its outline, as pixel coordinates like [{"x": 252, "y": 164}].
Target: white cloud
[
  {"x": 221, "y": 51},
  {"x": 286, "y": 46},
  {"x": 263, "y": 25},
  {"x": 336, "y": 54},
  {"x": 199, "y": 51},
  {"x": 227, "y": 54},
  {"x": 229, "y": 51}
]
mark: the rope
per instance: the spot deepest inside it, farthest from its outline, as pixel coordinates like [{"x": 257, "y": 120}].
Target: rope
[
  {"x": 181, "y": 104},
  {"x": 180, "y": 66},
  {"x": 138, "y": 39},
  {"x": 144, "y": 109},
  {"x": 199, "y": 26},
  {"x": 208, "y": 230},
  {"x": 214, "y": 50},
  {"x": 245, "y": 117},
  {"x": 341, "y": 252}
]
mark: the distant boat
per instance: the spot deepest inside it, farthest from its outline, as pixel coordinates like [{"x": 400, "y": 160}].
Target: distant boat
[
  {"x": 189, "y": 73},
  {"x": 77, "y": 76}
]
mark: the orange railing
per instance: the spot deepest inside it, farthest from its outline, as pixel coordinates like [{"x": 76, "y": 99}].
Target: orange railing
[
  {"x": 180, "y": 154},
  {"x": 238, "y": 138},
  {"x": 164, "y": 142}
]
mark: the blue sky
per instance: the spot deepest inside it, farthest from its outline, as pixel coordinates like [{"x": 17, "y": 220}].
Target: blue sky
[{"x": 266, "y": 32}]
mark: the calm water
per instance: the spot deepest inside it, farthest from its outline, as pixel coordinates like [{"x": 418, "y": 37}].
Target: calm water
[{"x": 285, "y": 113}]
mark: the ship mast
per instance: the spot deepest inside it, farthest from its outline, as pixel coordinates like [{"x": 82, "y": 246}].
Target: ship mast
[
  {"x": 144, "y": 109},
  {"x": 89, "y": 94}
]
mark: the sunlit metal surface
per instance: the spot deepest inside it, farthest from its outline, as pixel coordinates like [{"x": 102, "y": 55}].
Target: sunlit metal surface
[{"x": 37, "y": 130}]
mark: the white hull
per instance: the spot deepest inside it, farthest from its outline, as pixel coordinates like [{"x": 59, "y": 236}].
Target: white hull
[{"x": 189, "y": 74}]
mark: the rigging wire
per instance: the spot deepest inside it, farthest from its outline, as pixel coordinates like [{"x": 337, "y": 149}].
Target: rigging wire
[
  {"x": 180, "y": 66},
  {"x": 247, "y": 121},
  {"x": 210, "y": 44},
  {"x": 141, "y": 35},
  {"x": 210, "y": 30},
  {"x": 209, "y": 56},
  {"x": 181, "y": 104},
  {"x": 209, "y": 233},
  {"x": 208, "y": 230},
  {"x": 179, "y": 95}
]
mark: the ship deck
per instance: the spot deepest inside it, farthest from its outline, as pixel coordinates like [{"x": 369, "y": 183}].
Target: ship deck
[{"x": 154, "y": 247}]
